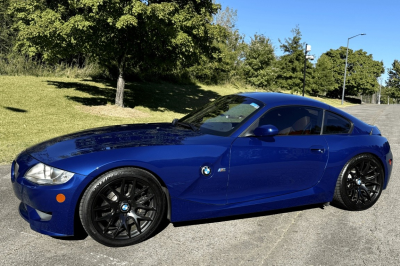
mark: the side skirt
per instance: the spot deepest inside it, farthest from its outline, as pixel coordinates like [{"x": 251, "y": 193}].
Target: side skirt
[{"x": 185, "y": 210}]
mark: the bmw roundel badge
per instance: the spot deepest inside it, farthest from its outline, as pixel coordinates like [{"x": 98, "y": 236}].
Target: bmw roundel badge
[
  {"x": 125, "y": 207},
  {"x": 205, "y": 170}
]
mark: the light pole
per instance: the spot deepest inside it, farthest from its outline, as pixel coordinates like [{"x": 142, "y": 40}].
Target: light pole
[
  {"x": 345, "y": 66},
  {"x": 308, "y": 48}
]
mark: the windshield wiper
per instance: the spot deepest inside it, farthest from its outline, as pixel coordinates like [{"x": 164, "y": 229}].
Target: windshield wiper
[{"x": 184, "y": 124}]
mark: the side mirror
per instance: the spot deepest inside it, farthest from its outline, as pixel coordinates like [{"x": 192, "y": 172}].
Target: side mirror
[{"x": 266, "y": 130}]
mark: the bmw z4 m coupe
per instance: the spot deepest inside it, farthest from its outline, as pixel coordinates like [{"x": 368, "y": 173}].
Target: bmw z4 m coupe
[{"x": 239, "y": 154}]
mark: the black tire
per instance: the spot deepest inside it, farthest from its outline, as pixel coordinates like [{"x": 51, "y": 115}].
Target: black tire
[
  {"x": 360, "y": 183},
  {"x": 118, "y": 219}
]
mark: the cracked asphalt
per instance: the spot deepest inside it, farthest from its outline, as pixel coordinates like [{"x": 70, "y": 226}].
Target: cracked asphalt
[{"x": 301, "y": 236}]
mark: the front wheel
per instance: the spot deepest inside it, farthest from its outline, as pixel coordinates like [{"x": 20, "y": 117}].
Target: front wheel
[
  {"x": 360, "y": 183},
  {"x": 122, "y": 207}
]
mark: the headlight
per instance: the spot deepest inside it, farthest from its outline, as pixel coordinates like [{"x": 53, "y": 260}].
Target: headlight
[{"x": 46, "y": 175}]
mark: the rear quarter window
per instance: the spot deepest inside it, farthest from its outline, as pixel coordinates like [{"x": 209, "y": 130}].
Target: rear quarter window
[{"x": 335, "y": 124}]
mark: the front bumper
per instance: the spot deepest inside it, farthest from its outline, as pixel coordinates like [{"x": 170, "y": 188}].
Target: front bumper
[{"x": 39, "y": 206}]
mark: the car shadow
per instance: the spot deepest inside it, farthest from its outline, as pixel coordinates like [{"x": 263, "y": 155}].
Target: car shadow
[
  {"x": 250, "y": 215},
  {"x": 163, "y": 96},
  {"x": 80, "y": 233}
]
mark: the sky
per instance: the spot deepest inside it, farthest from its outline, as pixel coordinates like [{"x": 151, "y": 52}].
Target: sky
[{"x": 325, "y": 24}]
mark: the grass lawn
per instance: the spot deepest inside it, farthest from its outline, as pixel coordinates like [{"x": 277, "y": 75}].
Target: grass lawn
[{"x": 34, "y": 109}]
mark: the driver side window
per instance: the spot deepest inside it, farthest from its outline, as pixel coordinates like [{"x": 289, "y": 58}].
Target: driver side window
[{"x": 293, "y": 120}]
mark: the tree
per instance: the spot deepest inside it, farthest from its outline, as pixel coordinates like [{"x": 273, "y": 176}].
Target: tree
[
  {"x": 291, "y": 64},
  {"x": 385, "y": 93},
  {"x": 292, "y": 45},
  {"x": 362, "y": 72},
  {"x": 157, "y": 35},
  {"x": 323, "y": 80},
  {"x": 225, "y": 63},
  {"x": 226, "y": 18},
  {"x": 259, "y": 61},
  {"x": 393, "y": 82},
  {"x": 7, "y": 35}
]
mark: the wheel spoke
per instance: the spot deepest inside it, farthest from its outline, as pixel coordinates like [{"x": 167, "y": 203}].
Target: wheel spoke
[
  {"x": 143, "y": 207},
  {"x": 128, "y": 230},
  {"x": 122, "y": 225},
  {"x": 117, "y": 232},
  {"x": 123, "y": 187},
  {"x": 369, "y": 183},
  {"x": 357, "y": 171},
  {"x": 110, "y": 222},
  {"x": 366, "y": 168},
  {"x": 109, "y": 201},
  {"x": 104, "y": 218},
  {"x": 137, "y": 218},
  {"x": 137, "y": 223},
  {"x": 357, "y": 196},
  {"x": 360, "y": 168},
  {"x": 353, "y": 194},
  {"x": 364, "y": 189},
  {"x": 132, "y": 190},
  {"x": 102, "y": 208}
]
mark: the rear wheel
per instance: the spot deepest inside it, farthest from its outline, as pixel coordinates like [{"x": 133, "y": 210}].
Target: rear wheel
[
  {"x": 360, "y": 183},
  {"x": 122, "y": 207}
]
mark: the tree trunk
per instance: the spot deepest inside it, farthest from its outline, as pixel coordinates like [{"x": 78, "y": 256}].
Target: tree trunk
[{"x": 119, "y": 97}]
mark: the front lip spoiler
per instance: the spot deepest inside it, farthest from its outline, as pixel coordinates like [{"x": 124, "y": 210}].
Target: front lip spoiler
[{"x": 35, "y": 220}]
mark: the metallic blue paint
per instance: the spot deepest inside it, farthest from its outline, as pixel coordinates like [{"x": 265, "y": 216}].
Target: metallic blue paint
[
  {"x": 262, "y": 173},
  {"x": 266, "y": 130},
  {"x": 275, "y": 166}
]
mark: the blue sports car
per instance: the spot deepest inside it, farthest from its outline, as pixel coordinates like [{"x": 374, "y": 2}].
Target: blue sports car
[{"x": 239, "y": 154}]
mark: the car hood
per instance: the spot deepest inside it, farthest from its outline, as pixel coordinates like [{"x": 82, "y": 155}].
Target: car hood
[{"x": 111, "y": 138}]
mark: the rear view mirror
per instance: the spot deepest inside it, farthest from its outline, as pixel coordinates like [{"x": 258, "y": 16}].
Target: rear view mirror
[{"x": 266, "y": 130}]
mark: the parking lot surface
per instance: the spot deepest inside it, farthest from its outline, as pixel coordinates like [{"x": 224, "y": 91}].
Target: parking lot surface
[{"x": 301, "y": 236}]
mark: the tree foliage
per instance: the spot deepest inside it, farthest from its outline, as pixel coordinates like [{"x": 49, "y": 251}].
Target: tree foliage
[
  {"x": 7, "y": 34},
  {"x": 225, "y": 63},
  {"x": 157, "y": 35},
  {"x": 362, "y": 72},
  {"x": 226, "y": 18},
  {"x": 292, "y": 45},
  {"x": 291, "y": 64},
  {"x": 393, "y": 82},
  {"x": 164, "y": 38},
  {"x": 259, "y": 62},
  {"x": 323, "y": 80}
]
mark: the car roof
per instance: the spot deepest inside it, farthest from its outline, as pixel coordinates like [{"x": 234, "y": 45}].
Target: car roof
[{"x": 277, "y": 99}]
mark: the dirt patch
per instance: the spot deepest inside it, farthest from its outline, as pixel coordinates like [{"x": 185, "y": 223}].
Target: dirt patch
[{"x": 112, "y": 110}]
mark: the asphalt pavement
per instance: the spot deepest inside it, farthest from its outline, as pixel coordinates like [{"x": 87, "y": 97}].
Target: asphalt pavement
[{"x": 302, "y": 236}]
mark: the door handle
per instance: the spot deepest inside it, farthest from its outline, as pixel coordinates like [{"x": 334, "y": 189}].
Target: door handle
[{"x": 317, "y": 148}]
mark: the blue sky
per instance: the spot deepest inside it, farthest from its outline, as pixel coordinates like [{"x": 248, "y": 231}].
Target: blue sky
[{"x": 325, "y": 24}]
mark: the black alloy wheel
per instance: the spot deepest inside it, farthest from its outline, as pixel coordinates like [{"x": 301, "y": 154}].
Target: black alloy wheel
[
  {"x": 360, "y": 183},
  {"x": 123, "y": 207}
]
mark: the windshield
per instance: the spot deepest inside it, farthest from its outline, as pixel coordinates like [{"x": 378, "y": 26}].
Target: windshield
[{"x": 224, "y": 115}]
